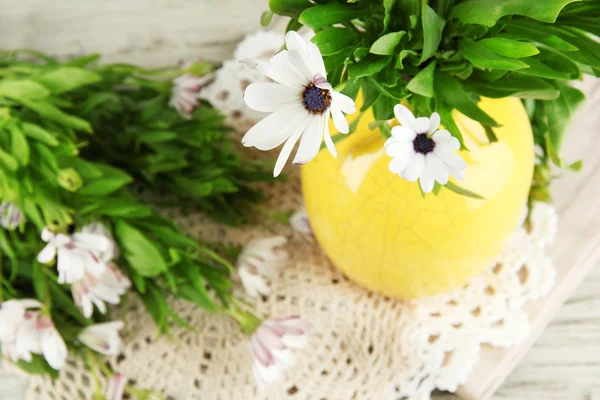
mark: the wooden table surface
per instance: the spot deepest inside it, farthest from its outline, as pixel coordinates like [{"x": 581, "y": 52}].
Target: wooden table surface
[{"x": 564, "y": 363}]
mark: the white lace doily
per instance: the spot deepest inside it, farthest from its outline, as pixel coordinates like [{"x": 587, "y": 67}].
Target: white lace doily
[{"x": 364, "y": 346}]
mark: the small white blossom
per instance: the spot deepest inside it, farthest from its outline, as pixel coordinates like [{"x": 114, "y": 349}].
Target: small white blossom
[
  {"x": 184, "y": 96},
  {"x": 76, "y": 254},
  {"x": 10, "y": 216},
  {"x": 103, "y": 338},
  {"x": 12, "y": 313},
  {"x": 36, "y": 334},
  {"x": 260, "y": 258},
  {"x": 299, "y": 221},
  {"x": 116, "y": 387},
  {"x": 301, "y": 101},
  {"x": 271, "y": 344},
  {"x": 420, "y": 151},
  {"x": 98, "y": 228},
  {"x": 91, "y": 290}
]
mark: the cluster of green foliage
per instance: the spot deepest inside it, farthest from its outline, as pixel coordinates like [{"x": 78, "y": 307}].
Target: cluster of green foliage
[
  {"x": 190, "y": 159},
  {"x": 441, "y": 55},
  {"x": 51, "y": 114}
]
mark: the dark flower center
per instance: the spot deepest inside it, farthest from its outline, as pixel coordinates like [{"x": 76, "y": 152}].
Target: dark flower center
[
  {"x": 315, "y": 99},
  {"x": 423, "y": 144}
]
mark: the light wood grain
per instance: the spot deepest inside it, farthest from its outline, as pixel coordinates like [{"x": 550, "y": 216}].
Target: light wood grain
[{"x": 564, "y": 363}]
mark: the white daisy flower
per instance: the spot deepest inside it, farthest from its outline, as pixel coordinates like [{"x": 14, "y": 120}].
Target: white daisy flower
[
  {"x": 10, "y": 216},
  {"x": 300, "y": 100},
  {"x": 92, "y": 290},
  {"x": 116, "y": 387},
  {"x": 184, "y": 96},
  {"x": 420, "y": 151},
  {"x": 259, "y": 259},
  {"x": 271, "y": 344},
  {"x": 76, "y": 254},
  {"x": 103, "y": 338}
]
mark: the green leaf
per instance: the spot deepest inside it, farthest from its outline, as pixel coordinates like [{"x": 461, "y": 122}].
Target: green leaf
[
  {"x": 18, "y": 145},
  {"x": 555, "y": 157},
  {"x": 535, "y": 32},
  {"x": 515, "y": 86},
  {"x": 488, "y": 12},
  {"x": 329, "y": 14},
  {"x": 388, "y": 5},
  {"x": 402, "y": 56},
  {"x": 482, "y": 57},
  {"x": 383, "y": 109},
  {"x": 64, "y": 79},
  {"x": 139, "y": 252},
  {"x": 541, "y": 70},
  {"x": 156, "y": 304},
  {"x": 37, "y": 366},
  {"x": 448, "y": 88},
  {"x": 386, "y": 44},
  {"x": 40, "y": 285},
  {"x": 64, "y": 303},
  {"x": 509, "y": 48},
  {"x": 265, "y": 18},
  {"x": 51, "y": 112},
  {"x": 560, "y": 112},
  {"x": 201, "y": 298},
  {"x": 422, "y": 83},
  {"x": 8, "y": 161},
  {"x": 333, "y": 40},
  {"x": 433, "y": 26},
  {"x": 38, "y": 133},
  {"x": 157, "y": 136},
  {"x": 22, "y": 89},
  {"x": 462, "y": 191},
  {"x": 289, "y": 8},
  {"x": 368, "y": 66},
  {"x": 112, "y": 179}
]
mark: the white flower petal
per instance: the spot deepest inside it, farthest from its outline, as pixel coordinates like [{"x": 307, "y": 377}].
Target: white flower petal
[
  {"x": 47, "y": 235},
  {"x": 434, "y": 123},
  {"x": 116, "y": 387},
  {"x": 315, "y": 60},
  {"x": 328, "y": 141},
  {"x": 404, "y": 115},
  {"x": 426, "y": 181},
  {"x": 54, "y": 348},
  {"x": 451, "y": 159},
  {"x": 441, "y": 136},
  {"x": 279, "y": 70},
  {"x": 288, "y": 147},
  {"x": 270, "y": 97},
  {"x": 399, "y": 148},
  {"x": 436, "y": 168},
  {"x": 94, "y": 243},
  {"x": 311, "y": 141},
  {"x": 403, "y": 133},
  {"x": 47, "y": 254},
  {"x": 297, "y": 50},
  {"x": 253, "y": 284},
  {"x": 421, "y": 125},
  {"x": 414, "y": 168},
  {"x": 339, "y": 120},
  {"x": 274, "y": 129},
  {"x": 343, "y": 102}
]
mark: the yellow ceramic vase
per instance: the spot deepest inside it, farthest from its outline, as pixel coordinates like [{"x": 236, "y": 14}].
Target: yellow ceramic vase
[{"x": 379, "y": 230}]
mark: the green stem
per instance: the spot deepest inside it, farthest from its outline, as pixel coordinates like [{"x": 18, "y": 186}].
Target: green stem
[{"x": 248, "y": 322}]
